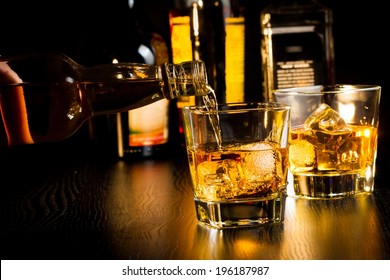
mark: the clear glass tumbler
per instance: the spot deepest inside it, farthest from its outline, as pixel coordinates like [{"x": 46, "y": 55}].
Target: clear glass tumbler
[
  {"x": 334, "y": 136},
  {"x": 238, "y": 159}
]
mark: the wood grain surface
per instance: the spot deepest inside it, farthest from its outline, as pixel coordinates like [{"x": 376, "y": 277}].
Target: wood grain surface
[{"x": 70, "y": 205}]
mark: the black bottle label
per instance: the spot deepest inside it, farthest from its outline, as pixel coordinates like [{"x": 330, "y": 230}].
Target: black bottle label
[
  {"x": 297, "y": 56},
  {"x": 296, "y": 45}
]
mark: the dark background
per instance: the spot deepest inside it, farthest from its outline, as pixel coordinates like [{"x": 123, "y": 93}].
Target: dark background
[{"x": 88, "y": 30}]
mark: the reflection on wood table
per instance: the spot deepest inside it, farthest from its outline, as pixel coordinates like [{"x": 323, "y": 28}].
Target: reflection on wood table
[{"x": 70, "y": 205}]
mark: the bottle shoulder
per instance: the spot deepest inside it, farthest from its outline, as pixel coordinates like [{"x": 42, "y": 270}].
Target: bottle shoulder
[
  {"x": 292, "y": 13},
  {"x": 122, "y": 72},
  {"x": 44, "y": 67},
  {"x": 291, "y": 7}
]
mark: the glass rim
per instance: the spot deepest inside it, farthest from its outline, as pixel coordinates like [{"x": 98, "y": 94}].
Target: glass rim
[
  {"x": 327, "y": 89},
  {"x": 238, "y": 107}
]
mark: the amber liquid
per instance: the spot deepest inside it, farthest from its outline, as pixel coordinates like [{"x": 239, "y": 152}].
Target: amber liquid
[
  {"x": 316, "y": 153},
  {"x": 238, "y": 172},
  {"x": 333, "y": 164},
  {"x": 34, "y": 113},
  {"x": 236, "y": 184}
]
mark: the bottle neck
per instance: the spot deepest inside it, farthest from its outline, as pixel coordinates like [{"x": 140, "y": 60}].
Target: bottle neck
[
  {"x": 121, "y": 87},
  {"x": 185, "y": 79}
]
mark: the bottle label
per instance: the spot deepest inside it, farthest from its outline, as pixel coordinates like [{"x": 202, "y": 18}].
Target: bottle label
[
  {"x": 148, "y": 125},
  {"x": 235, "y": 57},
  {"x": 181, "y": 39},
  {"x": 297, "y": 56},
  {"x": 295, "y": 73}
]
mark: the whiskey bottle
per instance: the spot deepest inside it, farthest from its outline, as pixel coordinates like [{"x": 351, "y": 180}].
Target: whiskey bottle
[
  {"x": 297, "y": 46},
  {"x": 213, "y": 31},
  {"x": 46, "y": 97}
]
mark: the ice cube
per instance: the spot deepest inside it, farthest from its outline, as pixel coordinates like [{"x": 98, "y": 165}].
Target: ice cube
[
  {"x": 324, "y": 118},
  {"x": 262, "y": 162},
  {"x": 302, "y": 156},
  {"x": 326, "y": 127},
  {"x": 213, "y": 172},
  {"x": 218, "y": 178}
]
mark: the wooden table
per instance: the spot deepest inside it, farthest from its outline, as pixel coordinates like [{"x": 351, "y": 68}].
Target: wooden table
[{"x": 58, "y": 203}]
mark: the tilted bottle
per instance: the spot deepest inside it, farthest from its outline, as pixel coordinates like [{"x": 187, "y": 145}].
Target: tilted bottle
[
  {"x": 296, "y": 45},
  {"x": 47, "y": 97}
]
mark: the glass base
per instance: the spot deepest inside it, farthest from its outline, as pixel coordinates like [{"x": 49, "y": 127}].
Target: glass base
[
  {"x": 331, "y": 186},
  {"x": 241, "y": 213}
]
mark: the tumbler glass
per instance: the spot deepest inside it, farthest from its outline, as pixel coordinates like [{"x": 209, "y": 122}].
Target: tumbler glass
[
  {"x": 334, "y": 132},
  {"x": 238, "y": 155}
]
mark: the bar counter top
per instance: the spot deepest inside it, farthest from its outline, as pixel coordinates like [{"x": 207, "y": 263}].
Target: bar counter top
[{"x": 70, "y": 205}]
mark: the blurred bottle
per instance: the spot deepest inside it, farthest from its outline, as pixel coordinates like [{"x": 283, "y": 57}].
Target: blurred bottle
[
  {"x": 181, "y": 47},
  {"x": 180, "y": 33},
  {"x": 235, "y": 24},
  {"x": 213, "y": 31},
  {"x": 117, "y": 39},
  {"x": 297, "y": 45},
  {"x": 208, "y": 39},
  {"x": 145, "y": 132}
]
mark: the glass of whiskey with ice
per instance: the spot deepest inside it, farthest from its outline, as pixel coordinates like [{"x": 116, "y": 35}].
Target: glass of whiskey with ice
[
  {"x": 238, "y": 155},
  {"x": 333, "y": 139}
]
